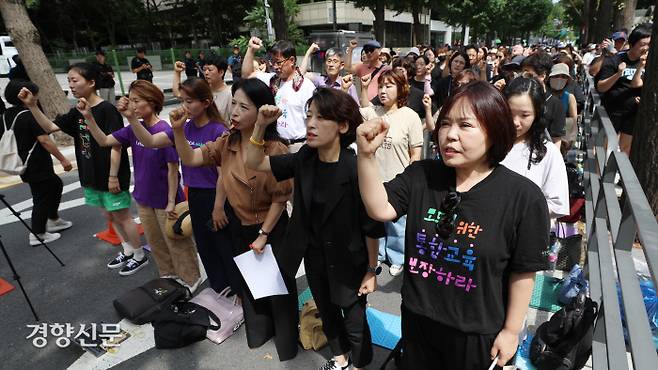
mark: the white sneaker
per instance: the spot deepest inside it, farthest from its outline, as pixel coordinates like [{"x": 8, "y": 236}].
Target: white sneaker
[
  {"x": 396, "y": 270},
  {"x": 58, "y": 225},
  {"x": 46, "y": 237}
]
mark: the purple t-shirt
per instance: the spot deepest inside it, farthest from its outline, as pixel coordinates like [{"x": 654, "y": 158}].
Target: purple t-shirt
[
  {"x": 200, "y": 177},
  {"x": 150, "y": 167}
]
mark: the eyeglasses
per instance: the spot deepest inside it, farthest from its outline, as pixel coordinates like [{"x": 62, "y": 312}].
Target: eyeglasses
[
  {"x": 278, "y": 63},
  {"x": 446, "y": 224}
]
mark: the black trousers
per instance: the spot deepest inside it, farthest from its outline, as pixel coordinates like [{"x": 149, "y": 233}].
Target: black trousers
[
  {"x": 275, "y": 316},
  {"x": 215, "y": 247},
  {"x": 433, "y": 346},
  {"x": 346, "y": 328},
  {"x": 46, "y": 195}
]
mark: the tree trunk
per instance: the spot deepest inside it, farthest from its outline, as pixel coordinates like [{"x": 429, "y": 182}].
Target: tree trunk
[
  {"x": 280, "y": 20},
  {"x": 26, "y": 38},
  {"x": 644, "y": 151},
  {"x": 380, "y": 22},
  {"x": 591, "y": 22},
  {"x": 419, "y": 35},
  {"x": 604, "y": 20},
  {"x": 628, "y": 14},
  {"x": 617, "y": 15},
  {"x": 584, "y": 23}
]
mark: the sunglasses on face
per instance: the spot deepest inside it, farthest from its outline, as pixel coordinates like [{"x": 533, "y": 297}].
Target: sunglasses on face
[{"x": 446, "y": 224}]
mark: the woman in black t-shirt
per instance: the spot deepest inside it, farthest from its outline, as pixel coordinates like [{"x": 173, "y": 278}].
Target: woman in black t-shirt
[
  {"x": 329, "y": 227},
  {"x": 104, "y": 172},
  {"x": 475, "y": 236}
]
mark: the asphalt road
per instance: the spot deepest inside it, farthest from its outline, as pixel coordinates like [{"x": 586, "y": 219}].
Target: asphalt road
[{"x": 82, "y": 293}]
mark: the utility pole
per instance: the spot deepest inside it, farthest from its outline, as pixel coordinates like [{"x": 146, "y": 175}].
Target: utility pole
[{"x": 333, "y": 2}]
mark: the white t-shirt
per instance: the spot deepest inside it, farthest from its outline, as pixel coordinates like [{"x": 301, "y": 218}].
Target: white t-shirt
[
  {"x": 405, "y": 132},
  {"x": 223, "y": 102},
  {"x": 550, "y": 175},
  {"x": 292, "y": 123}
]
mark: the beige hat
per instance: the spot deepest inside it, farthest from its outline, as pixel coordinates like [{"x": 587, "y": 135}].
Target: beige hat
[
  {"x": 385, "y": 51},
  {"x": 181, "y": 227},
  {"x": 560, "y": 69}
]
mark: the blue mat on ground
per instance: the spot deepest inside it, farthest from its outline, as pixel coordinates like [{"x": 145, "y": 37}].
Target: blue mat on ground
[
  {"x": 522, "y": 361},
  {"x": 385, "y": 328}
]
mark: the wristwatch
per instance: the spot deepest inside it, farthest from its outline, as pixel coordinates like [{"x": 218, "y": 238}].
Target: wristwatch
[
  {"x": 375, "y": 270},
  {"x": 262, "y": 232}
]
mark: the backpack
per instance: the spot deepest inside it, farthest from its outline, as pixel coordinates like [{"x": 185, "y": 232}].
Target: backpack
[
  {"x": 142, "y": 304},
  {"x": 310, "y": 327},
  {"x": 10, "y": 162},
  {"x": 183, "y": 323},
  {"x": 565, "y": 341}
]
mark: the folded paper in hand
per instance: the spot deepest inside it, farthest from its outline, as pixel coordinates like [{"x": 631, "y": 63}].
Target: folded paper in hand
[{"x": 261, "y": 272}]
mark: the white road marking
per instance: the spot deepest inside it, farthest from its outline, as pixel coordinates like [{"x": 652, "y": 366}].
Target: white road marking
[{"x": 6, "y": 217}]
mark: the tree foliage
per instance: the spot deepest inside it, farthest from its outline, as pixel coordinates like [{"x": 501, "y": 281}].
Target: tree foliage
[
  {"x": 502, "y": 17},
  {"x": 256, "y": 22},
  {"x": 64, "y": 24}
]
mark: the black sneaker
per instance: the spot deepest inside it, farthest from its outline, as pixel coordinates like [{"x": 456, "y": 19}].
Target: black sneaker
[
  {"x": 133, "y": 265},
  {"x": 119, "y": 261},
  {"x": 331, "y": 364}
]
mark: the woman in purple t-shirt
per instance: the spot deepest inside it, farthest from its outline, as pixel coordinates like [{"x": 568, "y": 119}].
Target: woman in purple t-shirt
[
  {"x": 206, "y": 197},
  {"x": 157, "y": 188}
]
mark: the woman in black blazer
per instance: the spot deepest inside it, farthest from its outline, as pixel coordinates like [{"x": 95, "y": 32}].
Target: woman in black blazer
[{"x": 329, "y": 227}]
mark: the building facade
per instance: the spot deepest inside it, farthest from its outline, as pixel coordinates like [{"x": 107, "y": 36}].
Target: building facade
[{"x": 318, "y": 15}]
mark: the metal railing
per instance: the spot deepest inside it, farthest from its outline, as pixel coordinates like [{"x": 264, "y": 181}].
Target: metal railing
[{"x": 612, "y": 225}]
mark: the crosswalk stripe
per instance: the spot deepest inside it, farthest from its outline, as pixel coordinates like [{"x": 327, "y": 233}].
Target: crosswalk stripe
[{"x": 9, "y": 218}]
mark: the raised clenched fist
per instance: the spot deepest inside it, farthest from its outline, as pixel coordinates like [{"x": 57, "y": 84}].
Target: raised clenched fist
[
  {"x": 255, "y": 43},
  {"x": 370, "y": 135},
  {"x": 178, "y": 117},
  {"x": 27, "y": 97},
  {"x": 267, "y": 114},
  {"x": 179, "y": 66}
]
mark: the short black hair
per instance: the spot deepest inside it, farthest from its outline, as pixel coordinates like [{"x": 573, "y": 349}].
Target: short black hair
[
  {"x": 100, "y": 52},
  {"x": 217, "y": 61},
  {"x": 540, "y": 61},
  {"x": 285, "y": 48},
  {"x": 469, "y": 47},
  {"x": 640, "y": 32},
  {"x": 141, "y": 49},
  {"x": 14, "y": 87}
]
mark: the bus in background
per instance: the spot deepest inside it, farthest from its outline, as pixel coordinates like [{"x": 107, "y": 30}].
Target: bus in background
[{"x": 7, "y": 51}]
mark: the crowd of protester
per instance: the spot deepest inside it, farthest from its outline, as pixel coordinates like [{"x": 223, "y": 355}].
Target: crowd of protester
[{"x": 444, "y": 163}]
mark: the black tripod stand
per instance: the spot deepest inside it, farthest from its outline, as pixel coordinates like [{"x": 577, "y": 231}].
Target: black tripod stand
[{"x": 11, "y": 265}]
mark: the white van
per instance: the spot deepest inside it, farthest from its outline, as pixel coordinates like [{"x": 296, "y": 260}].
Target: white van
[{"x": 7, "y": 50}]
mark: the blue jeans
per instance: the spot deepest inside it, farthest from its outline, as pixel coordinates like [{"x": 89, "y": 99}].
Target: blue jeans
[{"x": 391, "y": 247}]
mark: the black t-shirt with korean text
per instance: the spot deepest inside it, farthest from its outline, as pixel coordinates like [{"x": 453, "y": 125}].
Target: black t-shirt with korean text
[
  {"x": 620, "y": 101},
  {"x": 501, "y": 227},
  {"x": 94, "y": 161}
]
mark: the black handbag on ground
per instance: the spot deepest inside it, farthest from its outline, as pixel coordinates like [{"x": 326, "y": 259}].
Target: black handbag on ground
[
  {"x": 183, "y": 323},
  {"x": 140, "y": 305}
]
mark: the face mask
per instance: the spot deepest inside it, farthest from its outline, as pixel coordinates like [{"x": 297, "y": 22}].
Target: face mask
[{"x": 558, "y": 83}]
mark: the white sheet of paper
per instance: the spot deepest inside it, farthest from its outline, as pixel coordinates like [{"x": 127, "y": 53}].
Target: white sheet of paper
[{"x": 261, "y": 272}]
